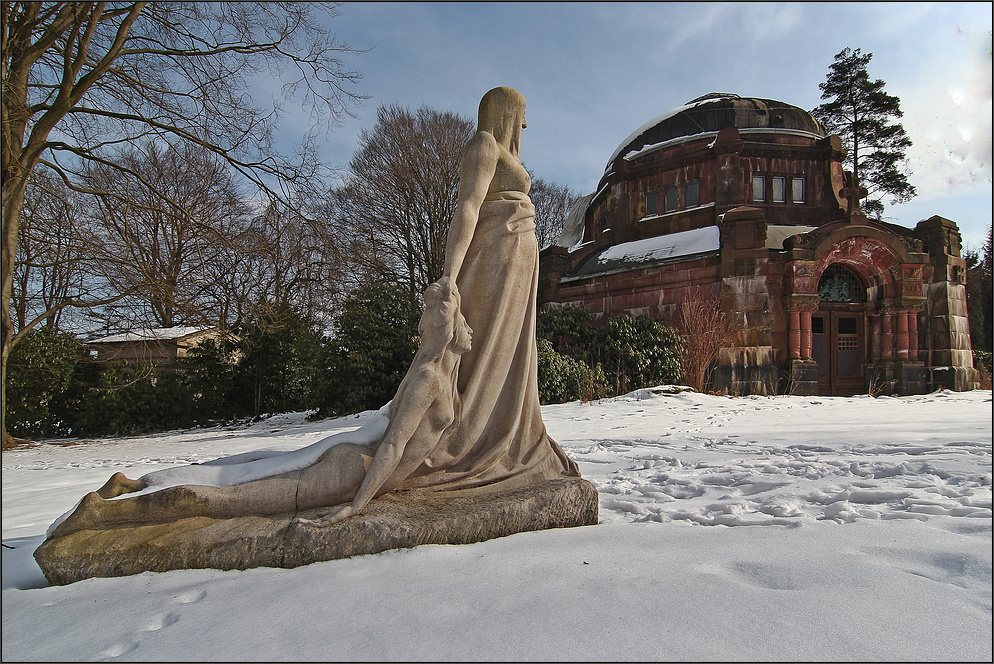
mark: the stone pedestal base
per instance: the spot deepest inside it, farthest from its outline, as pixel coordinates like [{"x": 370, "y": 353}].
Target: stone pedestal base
[
  {"x": 396, "y": 520},
  {"x": 904, "y": 377},
  {"x": 802, "y": 378},
  {"x": 910, "y": 378},
  {"x": 739, "y": 380},
  {"x": 958, "y": 379}
]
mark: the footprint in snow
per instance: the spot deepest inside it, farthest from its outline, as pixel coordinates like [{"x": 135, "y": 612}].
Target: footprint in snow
[
  {"x": 161, "y": 621},
  {"x": 117, "y": 650},
  {"x": 765, "y": 576},
  {"x": 191, "y": 596}
]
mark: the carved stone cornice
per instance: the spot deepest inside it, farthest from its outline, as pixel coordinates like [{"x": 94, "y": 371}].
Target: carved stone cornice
[
  {"x": 908, "y": 304},
  {"x": 801, "y": 302},
  {"x": 913, "y": 244}
]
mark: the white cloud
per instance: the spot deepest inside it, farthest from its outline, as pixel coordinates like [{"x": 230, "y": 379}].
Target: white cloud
[
  {"x": 947, "y": 114},
  {"x": 592, "y": 72},
  {"x": 687, "y": 27}
]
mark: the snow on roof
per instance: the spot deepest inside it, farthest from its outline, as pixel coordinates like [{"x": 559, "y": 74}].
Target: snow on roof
[
  {"x": 652, "y": 123},
  {"x": 738, "y": 105},
  {"x": 650, "y": 251},
  {"x": 152, "y": 334},
  {"x": 746, "y": 131},
  {"x": 573, "y": 228},
  {"x": 634, "y": 154}
]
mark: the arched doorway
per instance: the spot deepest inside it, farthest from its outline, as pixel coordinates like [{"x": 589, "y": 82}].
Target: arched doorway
[{"x": 838, "y": 333}]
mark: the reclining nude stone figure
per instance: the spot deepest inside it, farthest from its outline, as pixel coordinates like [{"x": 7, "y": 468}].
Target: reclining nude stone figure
[
  {"x": 466, "y": 416},
  {"x": 425, "y": 404}
]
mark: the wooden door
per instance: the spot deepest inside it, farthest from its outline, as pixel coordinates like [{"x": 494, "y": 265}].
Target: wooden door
[{"x": 839, "y": 348}]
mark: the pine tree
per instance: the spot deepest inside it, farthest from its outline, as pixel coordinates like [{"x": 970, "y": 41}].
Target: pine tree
[{"x": 860, "y": 112}]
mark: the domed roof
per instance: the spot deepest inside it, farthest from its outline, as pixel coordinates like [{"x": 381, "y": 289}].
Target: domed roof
[{"x": 713, "y": 112}]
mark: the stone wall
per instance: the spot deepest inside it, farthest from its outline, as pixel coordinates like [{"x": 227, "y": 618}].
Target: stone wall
[
  {"x": 946, "y": 319},
  {"x": 657, "y": 291},
  {"x": 749, "y": 365}
]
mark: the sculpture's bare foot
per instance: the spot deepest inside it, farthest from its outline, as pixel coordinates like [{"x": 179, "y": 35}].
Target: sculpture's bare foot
[{"x": 118, "y": 484}]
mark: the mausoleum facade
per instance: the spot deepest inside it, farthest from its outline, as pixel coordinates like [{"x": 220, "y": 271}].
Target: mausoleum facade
[{"x": 745, "y": 200}]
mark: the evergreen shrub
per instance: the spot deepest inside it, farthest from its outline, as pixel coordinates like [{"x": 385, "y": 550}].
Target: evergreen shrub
[
  {"x": 133, "y": 398},
  {"x": 982, "y": 362},
  {"x": 278, "y": 355},
  {"x": 639, "y": 351},
  {"x": 374, "y": 343},
  {"x": 579, "y": 360},
  {"x": 217, "y": 388},
  {"x": 562, "y": 378},
  {"x": 40, "y": 370}
]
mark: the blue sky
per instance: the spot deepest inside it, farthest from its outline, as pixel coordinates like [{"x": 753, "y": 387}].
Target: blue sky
[{"x": 593, "y": 72}]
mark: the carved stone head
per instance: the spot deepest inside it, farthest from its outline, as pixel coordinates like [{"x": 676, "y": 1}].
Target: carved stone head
[
  {"x": 502, "y": 114},
  {"x": 442, "y": 322}
]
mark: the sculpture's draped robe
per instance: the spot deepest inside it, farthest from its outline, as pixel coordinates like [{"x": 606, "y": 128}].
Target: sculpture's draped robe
[{"x": 499, "y": 438}]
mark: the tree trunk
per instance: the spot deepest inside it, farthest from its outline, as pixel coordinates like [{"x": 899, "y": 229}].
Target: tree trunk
[{"x": 13, "y": 200}]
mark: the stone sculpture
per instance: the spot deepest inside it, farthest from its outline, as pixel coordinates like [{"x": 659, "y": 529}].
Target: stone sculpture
[{"x": 464, "y": 456}]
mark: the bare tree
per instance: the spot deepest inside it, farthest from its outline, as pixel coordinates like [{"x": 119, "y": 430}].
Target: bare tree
[
  {"x": 82, "y": 78},
  {"x": 159, "y": 241},
  {"x": 401, "y": 192},
  {"x": 50, "y": 254},
  {"x": 286, "y": 261},
  {"x": 706, "y": 329},
  {"x": 552, "y": 205}
]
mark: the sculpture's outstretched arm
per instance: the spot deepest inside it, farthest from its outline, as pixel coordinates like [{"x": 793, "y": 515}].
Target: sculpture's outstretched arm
[
  {"x": 412, "y": 433},
  {"x": 476, "y": 172}
]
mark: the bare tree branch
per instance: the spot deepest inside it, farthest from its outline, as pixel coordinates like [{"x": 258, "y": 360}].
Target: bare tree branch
[
  {"x": 80, "y": 78},
  {"x": 401, "y": 193}
]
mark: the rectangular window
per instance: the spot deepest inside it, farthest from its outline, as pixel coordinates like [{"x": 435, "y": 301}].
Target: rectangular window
[
  {"x": 672, "y": 198},
  {"x": 847, "y": 326},
  {"x": 797, "y": 187},
  {"x": 693, "y": 194},
  {"x": 759, "y": 188},
  {"x": 817, "y": 325},
  {"x": 651, "y": 203},
  {"x": 779, "y": 190},
  {"x": 848, "y": 360}
]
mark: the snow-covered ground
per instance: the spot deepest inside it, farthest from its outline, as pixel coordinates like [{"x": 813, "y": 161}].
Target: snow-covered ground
[{"x": 752, "y": 528}]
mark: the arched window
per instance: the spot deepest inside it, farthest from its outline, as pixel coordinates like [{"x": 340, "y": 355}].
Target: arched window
[{"x": 840, "y": 284}]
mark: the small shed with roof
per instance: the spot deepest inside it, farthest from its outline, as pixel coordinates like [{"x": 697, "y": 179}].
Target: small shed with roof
[{"x": 162, "y": 346}]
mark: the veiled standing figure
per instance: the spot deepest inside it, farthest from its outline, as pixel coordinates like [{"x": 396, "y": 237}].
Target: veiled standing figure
[
  {"x": 467, "y": 416},
  {"x": 493, "y": 255}
]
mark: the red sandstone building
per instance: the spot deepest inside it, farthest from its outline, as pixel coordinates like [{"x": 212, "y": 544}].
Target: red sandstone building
[{"x": 745, "y": 200}]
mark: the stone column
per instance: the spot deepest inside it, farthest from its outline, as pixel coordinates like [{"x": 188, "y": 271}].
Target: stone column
[
  {"x": 913, "y": 336},
  {"x": 901, "y": 338},
  {"x": 553, "y": 262},
  {"x": 794, "y": 335},
  {"x": 806, "y": 335},
  {"x": 747, "y": 366},
  {"x": 886, "y": 338},
  {"x": 874, "y": 353},
  {"x": 908, "y": 371},
  {"x": 951, "y": 352},
  {"x": 802, "y": 370}
]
